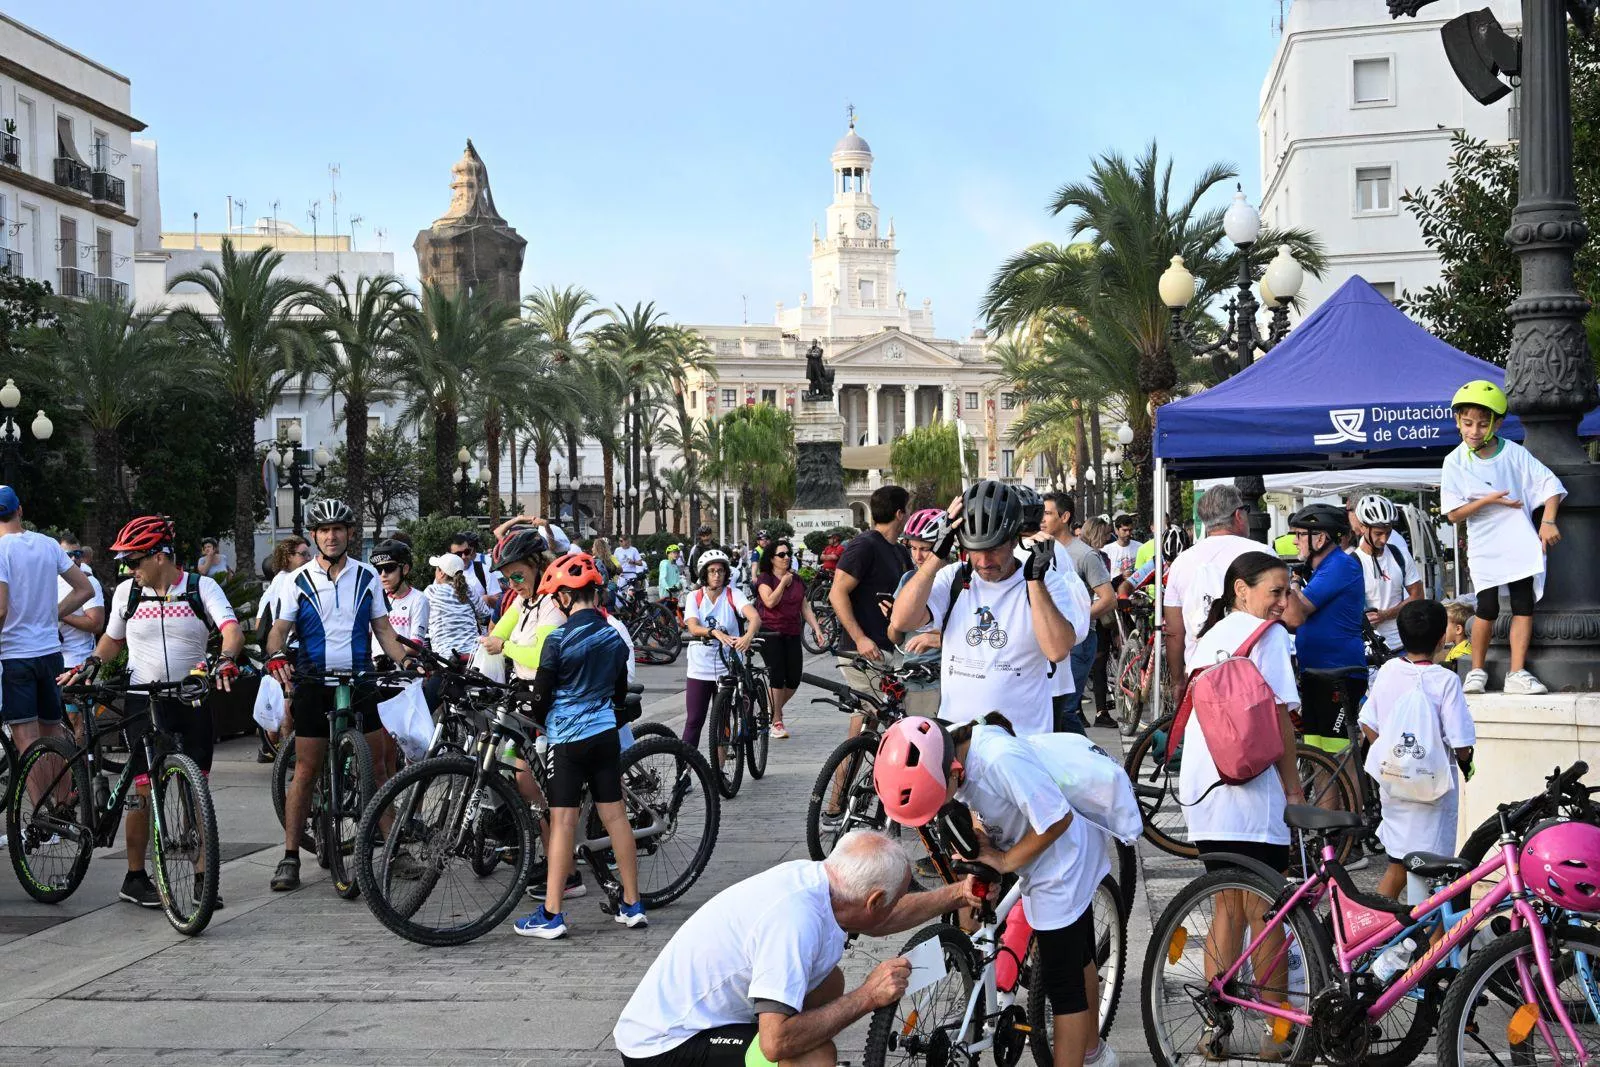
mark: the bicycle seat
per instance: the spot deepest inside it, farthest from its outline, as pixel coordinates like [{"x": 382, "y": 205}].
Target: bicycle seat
[
  {"x": 1309, "y": 817},
  {"x": 1433, "y": 865}
]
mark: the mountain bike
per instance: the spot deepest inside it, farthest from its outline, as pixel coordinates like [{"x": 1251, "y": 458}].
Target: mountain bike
[
  {"x": 1133, "y": 671},
  {"x": 64, "y": 805},
  {"x": 739, "y": 724},
  {"x": 828, "y": 624},
  {"x": 654, "y": 627}
]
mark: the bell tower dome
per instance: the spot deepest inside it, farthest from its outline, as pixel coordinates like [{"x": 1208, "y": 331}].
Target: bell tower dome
[{"x": 852, "y": 265}]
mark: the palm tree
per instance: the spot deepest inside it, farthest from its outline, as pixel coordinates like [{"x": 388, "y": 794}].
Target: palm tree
[
  {"x": 758, "y": 457},
  {"x": 676, "y": 486},
  {"x": 689, "y": 352},
  {"x": 358, "y": 361},
  {"x": 639, "y": 340},
  {"x": 927, "y": 462},
  {"x": 263, "y": 325},
  {"x": 565, "y": 318},
  {"x": 602, "y": 397}
]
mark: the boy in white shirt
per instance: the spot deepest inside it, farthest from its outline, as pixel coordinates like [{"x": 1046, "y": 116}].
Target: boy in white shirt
[{"x": 1411, "y": 825}]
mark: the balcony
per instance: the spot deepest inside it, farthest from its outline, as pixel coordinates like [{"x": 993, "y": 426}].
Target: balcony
[
  {"x": 75, "y": 283},
  {"x": 107, "y": 187},
  {"x": 111, "y": 291},
  {"x": 10, "y": 149},
  {"x": 71, "y": 174},
  {"x": 11, "y": 262}
]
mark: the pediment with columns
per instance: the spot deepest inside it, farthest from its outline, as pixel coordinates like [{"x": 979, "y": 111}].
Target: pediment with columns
[{"x": 892, "y": 348}]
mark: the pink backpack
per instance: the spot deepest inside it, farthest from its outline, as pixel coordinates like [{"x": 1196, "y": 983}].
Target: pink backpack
[{"x": 1238, "y": 714}]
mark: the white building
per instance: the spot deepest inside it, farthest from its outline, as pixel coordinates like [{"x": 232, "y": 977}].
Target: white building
[
  {"x": 1356, "y": 108},
  {"x": 65, "y": 139}
]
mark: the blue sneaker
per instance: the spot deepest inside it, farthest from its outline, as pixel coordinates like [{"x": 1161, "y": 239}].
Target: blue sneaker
[
  {"x": 632, "y": 915},
  {"x": 542, "y": 924}
]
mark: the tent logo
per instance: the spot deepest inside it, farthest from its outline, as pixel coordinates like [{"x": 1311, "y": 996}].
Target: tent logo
[{"x": 1346, "y": 427}]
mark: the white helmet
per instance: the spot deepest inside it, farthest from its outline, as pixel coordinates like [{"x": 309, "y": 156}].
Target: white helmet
[
  {"x": 1375, "y": 510},
  {"x": 707, "y": 558}
]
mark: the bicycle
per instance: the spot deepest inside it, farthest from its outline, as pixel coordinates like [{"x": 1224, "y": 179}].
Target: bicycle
[
  {"x": 63, "y": 806},
  {"x": 654, "y": 627},
  {"x": 739, "y": 723},
  {"x": 1134, "y": 668},
  {"x": 828, "y": 625},
  {"x": 1337, "y": 1007}
]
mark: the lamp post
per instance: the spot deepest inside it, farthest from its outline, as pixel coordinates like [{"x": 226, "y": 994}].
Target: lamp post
[
  {"x": 1114, "y": 457},
  {"x": 463, "y": 481},
  {"x": 1549, "y": 377},
  {"x": 302, "y": 467},
  {"x": 11, "y": 430}
]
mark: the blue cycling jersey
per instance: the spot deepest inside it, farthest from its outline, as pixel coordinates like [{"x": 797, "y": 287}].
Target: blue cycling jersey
[
  {"x": 1332, "y": 636},
  {"x": 584, "y": 669}
]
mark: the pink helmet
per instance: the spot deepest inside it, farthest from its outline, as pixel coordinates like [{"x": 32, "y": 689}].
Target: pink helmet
[
  {"x": 912, "y": 768},
  {"x": 919, "y": 526},
  {"x": 1561, "y": 863}
]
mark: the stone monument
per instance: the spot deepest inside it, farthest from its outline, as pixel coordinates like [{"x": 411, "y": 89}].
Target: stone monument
[
  {"x": 471, "y": 246},
  {"x": 820, "y": 502}
]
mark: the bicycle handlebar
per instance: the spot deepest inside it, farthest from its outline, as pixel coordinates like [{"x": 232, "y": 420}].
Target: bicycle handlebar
[{"x": 1556, "y": 784}]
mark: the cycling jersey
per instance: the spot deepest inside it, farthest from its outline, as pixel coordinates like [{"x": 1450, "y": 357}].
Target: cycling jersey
[
  {"x": 582, "y": 678},
  {"x": 165, "y": 639},
  {"x": 1331, "y": 637},
  {"x": 408, "y": 614},
  {"x": 333, "y": 617}
]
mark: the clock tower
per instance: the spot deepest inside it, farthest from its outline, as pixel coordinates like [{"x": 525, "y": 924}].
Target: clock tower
[{"x": 852, "y": 264}]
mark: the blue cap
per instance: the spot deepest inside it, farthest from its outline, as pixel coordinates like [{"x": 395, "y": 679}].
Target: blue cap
[{"x": 8, "y": 500}]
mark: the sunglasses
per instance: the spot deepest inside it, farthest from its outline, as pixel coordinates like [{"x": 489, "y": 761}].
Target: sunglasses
[
  {"x": 76, "y": 553},
  {"x": 517, "y": 579},
  {"x": 303, "y": 551},
  {"x": 134, "y": 561},
  {"x": 388, "y": 568},
  {"x": 780, "y": 555}
]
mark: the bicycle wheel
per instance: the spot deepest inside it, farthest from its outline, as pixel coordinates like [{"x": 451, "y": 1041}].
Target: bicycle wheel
[
  {"x": 758, "y": 729},
  {"x": 808, "y": 639},
  {"x": 350, "y": 788},
  {"x": 282, "y": 775},
  {"x": 845, "y": 780},
  {"x": 1325, "y": 785},
  {"x": 667, "y": 785},
  {"x": 666, "y": 637},
  {"x": 1129, "y": 681},
  {"x": 642, "y": 730},
  {"x": 1479, "y": 1025},
  {"x": 1111, "y": 963},
  {"x": 1179, "y": 1010},
  {"x": 921, "y": 1028},
  {"x": 8, "y": 768},
  {"x": 417, "y": 876},
  {"x": 1155, "y": 783},
  {"x": 723, "y": 744},
  {"x": 48, "y": 829},
  {"x": 186, "y": 843}
]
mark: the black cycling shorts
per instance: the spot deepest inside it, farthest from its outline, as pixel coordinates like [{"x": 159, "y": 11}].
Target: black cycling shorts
[
  {"x": 1327, "y": 708},
  {"x": 595, "y": 761},
  {"x": 1063, "y": 954},
  {"x": 724, "y": 1046},
  {"x": 312, "y": 703},
  {"x": 1274, "y": 856},
  {"x": 192, "y": 727},
  {"x": 1488, "y": 605},
  {"x": 783, "y": 654}
]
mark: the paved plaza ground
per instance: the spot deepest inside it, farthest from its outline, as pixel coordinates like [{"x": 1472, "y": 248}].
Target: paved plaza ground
[{"x": 307, "y": 978}]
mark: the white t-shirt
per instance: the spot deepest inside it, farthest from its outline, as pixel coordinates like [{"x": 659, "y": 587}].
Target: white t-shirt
[
  {"x": 705, "y": 664},
  {"x": 408, "y": 614},
  {"x": 476, "y": 590},
  {"x": 1252, "y": 811},
  {"x": 28, "y": 562},
  {"x": 77, "y": 645},
  {"x": 333, "y": 618},
  {"x": 1195, "y": 579},
  {"x": 767, "y": 940},
  {"x": 165, "y": 639},
  {"x": 991, "y": 660},
  {"x": 631, "y": 560},
  {"x": 1502, "y": 543},
  {"x": 1122, "y": 559},
  {"x": 1409, "y": 825},
  {"x": 1061, "y": 676},
  {"x": 1386, "y": 584},
  {"x": 275, "y": 590},
  {"x": 1011, "y": 788}
]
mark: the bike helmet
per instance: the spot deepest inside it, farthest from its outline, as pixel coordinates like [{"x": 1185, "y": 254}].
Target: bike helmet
[
  {"x": 1032, "y": 508},
  {"x": 1375, "y": 510},
  {"x": 991, "y": 515},
  {"x": 575, "y": 570},
  {"x": 144, "y": 535},
  {"x": 385, "y": 553},
  {"x": 1321, "y": 518},
  {"x": 707, "y": 558},
  {"x": 762, "y": 535},
  {"x": 519, "y": 546},
  {"x": 1173, "y": 542},
  {"x": 329, "y": 512},
  {"x": 912, "y": 770},
  {"x": 1561, "y": 863},
  {"x": 919, "y": 526},
  {"x": 1482, "y": 394}
]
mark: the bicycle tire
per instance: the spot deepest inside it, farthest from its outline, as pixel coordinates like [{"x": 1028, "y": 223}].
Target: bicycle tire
[
  {"x": 1129, "y": 658},
  {"x": 1155, "y": 785},
  {"x": 808, "y": 639},
  {"x": 890, "y": 1026},
  {"x": 855, "y": 756},
  {"x": 350, "y": 789},
  {"x": 645, "y": 780},
  {"x": 642, "y": 730},
  {"x": 1467, "y": 990},
  {"x": 8, "y": 769},
  {"x": 1125, "y": 869},
  {"x": 1111, "y": 947},
  {"x": 187, "y": 826},
  {"x": 1165, "y": 938},
  {"x": 1324, "y": 786},
  {"x": 721, "y": 725},
  {"x": 409, "y": 787},
  {"x": 758, "y": 730},
  {"x": 668, "y": 635},
  {"x": 282, "y": 774},
  {"x": 24, "y": 839}
]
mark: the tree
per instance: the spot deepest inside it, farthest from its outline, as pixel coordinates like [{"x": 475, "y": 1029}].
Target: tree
[
  {"x": 602, "y": 390},
  {"x": 389, "y": 484},
  {"x": 172, "y": 456},
  {"x": 263, "y": 325},
  {"x": 757, "y": 456},
  {"x": 638, "y": 341},
  {"x": 24, "y": 304},
  {"x": 565, "y": 318},
  {"x": 927, "y": 462}
]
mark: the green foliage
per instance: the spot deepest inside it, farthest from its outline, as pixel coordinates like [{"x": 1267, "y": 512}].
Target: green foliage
[
  {"x": 430, "y": 535},
  {"x": 180, "y": 465},
  {"x": 393, "y": 473},
  {"x": 817, "y": 540},
  {"x": 24, "y": 304},
  {"x": 780, "y": 529},
  {"x": 754, "y": 452},
  {"x": 927, "y": 462}
]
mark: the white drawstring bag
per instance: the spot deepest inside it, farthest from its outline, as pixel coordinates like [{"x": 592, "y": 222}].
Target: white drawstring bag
[
  {"x": 1095, "y": 784},
  {"x": 406, "y": 716},
  {"x": 492, "y": 667},
  {"x": 268, "y": 710}
]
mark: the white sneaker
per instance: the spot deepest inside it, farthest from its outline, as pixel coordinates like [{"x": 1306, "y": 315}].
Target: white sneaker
[
  {"x": 1476, "y": 681},
  {"x": 1523, "y": 683},
  {"x": 1106, "y": 1057}
]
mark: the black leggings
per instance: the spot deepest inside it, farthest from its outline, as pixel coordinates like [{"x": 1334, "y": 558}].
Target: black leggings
[
  {"x": 1488, "y": 608},
  {"x": 783, "y": 654},
  {"x": 1063, "y": 954}
]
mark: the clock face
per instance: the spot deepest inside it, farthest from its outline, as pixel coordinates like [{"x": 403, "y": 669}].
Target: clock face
[{"x": 863, "y": 221}]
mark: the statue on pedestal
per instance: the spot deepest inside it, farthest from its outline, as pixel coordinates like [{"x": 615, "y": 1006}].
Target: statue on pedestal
[{"x": 818, "y": 375}]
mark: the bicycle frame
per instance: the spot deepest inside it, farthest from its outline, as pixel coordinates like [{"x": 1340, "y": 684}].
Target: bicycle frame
[{"x": 984, "y": 940}]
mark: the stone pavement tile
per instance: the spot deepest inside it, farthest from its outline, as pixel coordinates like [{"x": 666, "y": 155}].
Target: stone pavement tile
[
  {"x": 156, "y": 1024},
  {"x": 526, "y": 1023}
]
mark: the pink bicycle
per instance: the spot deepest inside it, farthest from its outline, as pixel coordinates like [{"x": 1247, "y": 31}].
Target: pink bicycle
[{"x": 1243, "y": 966}]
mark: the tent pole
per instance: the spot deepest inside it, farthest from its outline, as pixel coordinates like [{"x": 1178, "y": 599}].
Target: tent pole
[{"x": 1159, "y": 535}]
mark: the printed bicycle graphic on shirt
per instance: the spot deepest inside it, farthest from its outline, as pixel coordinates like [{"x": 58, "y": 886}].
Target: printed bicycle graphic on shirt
[
  {"x": 1409, "y": 746},
  {"x": 986, "y": 630}
]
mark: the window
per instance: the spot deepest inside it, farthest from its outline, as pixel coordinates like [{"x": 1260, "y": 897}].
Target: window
[
  {"x": 1008, "y": 401},
  {"x": 1374, "y": 189},
  {"x": 1385, "y": 289},
  {"x": 694, "y": 399},
  {"x": 730, "y": 397},
  {"x": 102, "y": 253},
  {"x": 769, "y": 396},
  {"x": 971, "y": 402},
  {"x": 374, "y": 425},
  {"x": 868, "y": 293},
  {"x": 1008, "y": 463},
  {"x": 102, "y": 151},
  {"x": 1372, "y": 81}
]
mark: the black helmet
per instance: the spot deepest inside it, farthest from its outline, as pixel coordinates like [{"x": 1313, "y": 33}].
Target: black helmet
[
  {"x": 704, "y": 530},
  {"x": 1321, "y": 518},
  {"x": 991, "y": 515},
  {"x": 1032, "y": 508},
  {"x": 329, "y": 512},
  {"x": 389, "y": 552},
  {"x": 520, "y": 546}
]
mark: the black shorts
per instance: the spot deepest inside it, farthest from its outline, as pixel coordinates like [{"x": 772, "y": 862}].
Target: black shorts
[
  {"x": 312, "y": 702},
  {"x": 783, "y": 654},
  {"x": 192, "y": 726},
  {"x": 1487, "y": 607},
  {"x": 1063, "y": 954},
  {"x": 1274, "y": 856},
  {"x": 595, "y": 761},
  {"x": 725, "y": 1046},
  {"x": 1327, "y": 708}
]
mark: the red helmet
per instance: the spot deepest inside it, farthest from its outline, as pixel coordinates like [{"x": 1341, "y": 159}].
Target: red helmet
[
  {"x": 912, "y": 770},
  {"x": 919, "y": 527},
  {"x": 575, "y": 570},
  {"x": 142, "y": 536}
]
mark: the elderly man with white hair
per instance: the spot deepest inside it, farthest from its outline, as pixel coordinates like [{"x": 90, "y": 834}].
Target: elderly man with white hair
[{"x": 753, "y": 979}]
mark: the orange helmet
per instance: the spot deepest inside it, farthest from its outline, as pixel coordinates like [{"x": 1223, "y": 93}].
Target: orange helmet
[{"x": 575, "y": 570}]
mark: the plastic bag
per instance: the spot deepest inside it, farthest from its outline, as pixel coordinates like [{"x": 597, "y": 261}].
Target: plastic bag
[
  {"x": 1095, "y": 784},
  {"x": 492, "y": 667},
  {"x": 406, "y": 717},
  {"x": 268, "y": 710}
]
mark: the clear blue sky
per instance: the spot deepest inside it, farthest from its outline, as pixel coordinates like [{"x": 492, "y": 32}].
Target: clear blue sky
[{"x": 677, "y": 151}]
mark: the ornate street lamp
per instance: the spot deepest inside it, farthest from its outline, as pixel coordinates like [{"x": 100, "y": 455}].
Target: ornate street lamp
[
  {"x": 11, "y": 431},
  {"x": 1236, "y": 346},
  {"x": 302, "y": 468}
]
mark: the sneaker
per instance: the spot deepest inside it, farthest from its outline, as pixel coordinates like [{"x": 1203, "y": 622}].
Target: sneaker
[
  {"x": 779, "y": 732},
  {"x": 1523, "y": 683},
  {"x": 573, "y": 890},
  {"x": 1103, "y": 721},
  {"x": 1476, "y": 681},
  {"x": 1104, "y": 1056},
  {"x": 542, "y": 925},
  {"x": 137, "y": 888},
  {"x": 830, "y": 820},
  {"x": 200, "y": 890},
  {"x": 1359, "y": 862},
  {"x": 632, "y": 915},
  {"x": 407, "y": 867},
  {"x": 287, "y": 876}
]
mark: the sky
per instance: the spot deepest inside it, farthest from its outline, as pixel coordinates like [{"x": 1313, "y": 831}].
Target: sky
[{"x": 673, "y": 151}]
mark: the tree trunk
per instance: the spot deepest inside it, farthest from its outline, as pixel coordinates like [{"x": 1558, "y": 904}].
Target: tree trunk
[
  {"x": 511, "y": 451},
  {"x": 245, "y": 476},
  {"x": 491, "y": 447},
  {"x": 1143, "y": 476},
  {"x": 1080, "y": 448},
  {"x": 102, "y": 521},
  {"x": 541, "y": 458},
  {"x": 355, "y": 462},
  {"x": 446, "y": 443},
  {"x": 1099, "y": 466},
  {"x": 608, "y": 491}
]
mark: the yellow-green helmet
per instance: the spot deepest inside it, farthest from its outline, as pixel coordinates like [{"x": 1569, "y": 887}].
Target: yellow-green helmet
[{"x": 1483, "y": 394}]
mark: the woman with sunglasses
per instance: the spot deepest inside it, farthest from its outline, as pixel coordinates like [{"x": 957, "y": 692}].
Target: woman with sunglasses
[{"x": 784, "y": 607}]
